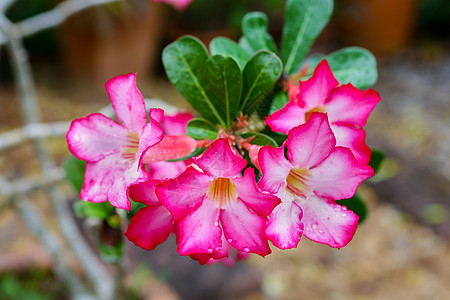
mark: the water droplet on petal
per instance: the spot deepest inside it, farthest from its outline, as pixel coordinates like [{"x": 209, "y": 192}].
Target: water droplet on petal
[
  {"x": 216, "y": 224},
  {"x": 314, "y": 227},
  {"x": 230, "y": 241},
  {"x": 217, "y": 249},
  {"x": 344, "y": 215},
  {"x": 246, "y": 249},
  {"x": 209, "y": 250}
]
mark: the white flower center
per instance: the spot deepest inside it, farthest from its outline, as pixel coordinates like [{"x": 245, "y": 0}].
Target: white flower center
[
  {"x": 222, "y": 191},
  {"x": 131, "y": 146},
  {"x": 296, "y": 182}
]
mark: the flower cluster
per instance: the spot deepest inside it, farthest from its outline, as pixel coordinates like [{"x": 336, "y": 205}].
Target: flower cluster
[
  {"x": 276, "y": 142},
  {"x": 213, "y": 202}
]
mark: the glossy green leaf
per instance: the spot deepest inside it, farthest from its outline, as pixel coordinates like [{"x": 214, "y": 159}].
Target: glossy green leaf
[
  {"x": 355, "y": 204},
  {"x": 254, "y": 28},
  {"x": 228, "y": 48},
  {"x": 304, "y": 20},
  {"x": 349, "y": 65},
  {"x": 201, "y": 129},
  {"x": 259, "y": 76},
  {"x": 222, "y": 80},
  {"x": 260, "y": 139},
  {"x": 184, "y": 61},
  {"x": 74, "y": 169},
  {"x": 279, "y": 101},
  {"x": 376, "y": 160}
]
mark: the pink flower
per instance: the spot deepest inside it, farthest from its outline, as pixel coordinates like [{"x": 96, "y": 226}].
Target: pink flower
[
  {"x": 315, "y": 173},
  {"x": 151, "y": 225},
  {"x": 216, "y": 203},
  {"x": 178, "y": 4},
  {"x": 113, "y": 151},
  {"x": 347, "y": 107}
]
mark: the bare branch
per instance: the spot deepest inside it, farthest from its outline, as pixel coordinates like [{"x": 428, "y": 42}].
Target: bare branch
[
  {"x": 54, "y": 17},
  {"x": 36, "y": 224},
  {"x": 5, "y": 4},
  {"x": 32, "y": 131}
]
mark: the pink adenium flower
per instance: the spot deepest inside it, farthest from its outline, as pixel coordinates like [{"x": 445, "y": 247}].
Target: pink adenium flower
[
  {"x": 151, "y": 225},
  {"x": 212, "y": 200},
  {"x": 315, "y": 173},
  {"x": 178, "y": 4},
  {"x": 347, "y": 107},
  {"x": 113, "y": 151}
]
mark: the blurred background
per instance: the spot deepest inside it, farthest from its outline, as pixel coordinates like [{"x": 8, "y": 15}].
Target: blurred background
[{"x": 401, "y": 251}]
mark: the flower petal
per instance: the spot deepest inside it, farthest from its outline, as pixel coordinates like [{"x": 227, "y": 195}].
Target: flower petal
[
  {"x": 310, "y": 143},
  {"x": 127, "y": 101},
  {"x": 166, "y": 169},
  {"x": 219, "y": 161},
  {"x": 315, "y": 90},
  {"x": 150, "y": 226},
  {"x": 94, "y": 137},
  {"x": 354, "y": 139},
  {"x": 176, "y": 124},
  {"x": 244, "y": 229},
  {"x": 171, "y": 147},
  {"x": 109, "y": 179},
  {"x": 185, "y": 193},
  {"x": 249, "y": 193},
  {"x": 145, "y": 192},
  {"x": 199, "y": 232},
  {"x": 151, "y": 136},
  {"x": 326, "y": 222},
  {"x": 285, "y": 119},
  {"x": 350, "y": 105},
  {"x": 339, "y": 175},
  {"x": 275, "y": 168},
  {"x": 284, "y": 228},
  {"x": 156, "y": 113}
]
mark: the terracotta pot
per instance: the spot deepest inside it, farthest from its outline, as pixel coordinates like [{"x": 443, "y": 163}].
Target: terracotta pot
[
  {"x": 127, "y": 42},
  {"x": 382, "y": 26}
]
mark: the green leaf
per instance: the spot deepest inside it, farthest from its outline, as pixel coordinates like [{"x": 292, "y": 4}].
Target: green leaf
[
  {"x": 74, "y": 169},
  {"x": 201, "y": 129},
  {"x": 304, "y": 20},
  {"x": 260, "y": 139},
  {"x": 86, "y": 209},
  {"x": 245, "y": 45},
  {"x": 376, "y": 160},
  {"x": 222, "y": 80},
  {"x": 229, "y": 48},
  {"x": 279, "y": 101},
  {"x": 254, "y": 28},
  {"x": 356, "y": 205},
  {"x": 259, "y": 76},
  {"x": 349, "y": 65},
  {"x": 184, "y": 61}
]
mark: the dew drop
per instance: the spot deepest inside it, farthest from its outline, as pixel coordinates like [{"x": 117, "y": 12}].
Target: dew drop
[
  {"x": 230, "y": 241},
  {"x": 209, "y": 250},
  {"x": 344, "y": 215},
  {"x": 314, "y": 227},
  {"x": 216, "y": 224},
  {"x": 217, "y": 249},
  {"x": 246, "y": 249}
]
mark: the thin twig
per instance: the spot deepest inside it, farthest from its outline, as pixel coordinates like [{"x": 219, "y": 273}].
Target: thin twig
[
  {"x": 54, "y": 17},
  {"x": 17, "y": 136},
  {"x": 8, "y": 189}
]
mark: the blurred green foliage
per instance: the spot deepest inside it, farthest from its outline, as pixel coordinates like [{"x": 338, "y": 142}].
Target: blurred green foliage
[{"x": 33, "y": 285}]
